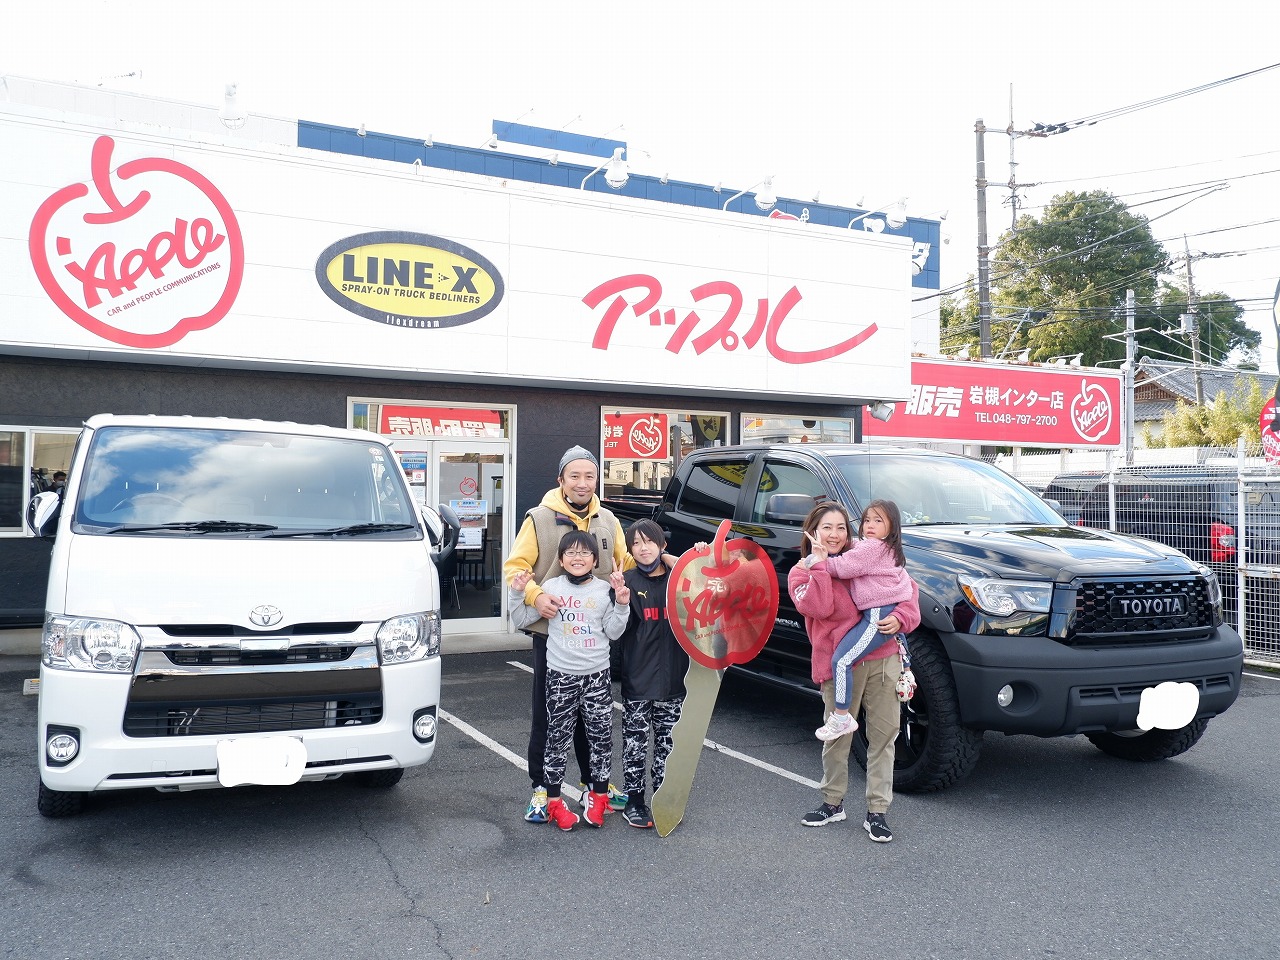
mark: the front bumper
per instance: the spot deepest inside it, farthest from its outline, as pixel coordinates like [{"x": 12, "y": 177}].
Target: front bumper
[
  {"x": 94, "y": 704},
  {"x": 1061, "y": 690}
]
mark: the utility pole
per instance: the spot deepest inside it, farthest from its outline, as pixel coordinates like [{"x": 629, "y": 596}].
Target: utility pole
[
  {"x": 1130, "y": 374},
  {"x": 1191, "y": 327},
  {"x": 984, "y": 252}
]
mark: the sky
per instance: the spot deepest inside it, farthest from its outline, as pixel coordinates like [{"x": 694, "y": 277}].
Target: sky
[{"x": 858, "y": 103}]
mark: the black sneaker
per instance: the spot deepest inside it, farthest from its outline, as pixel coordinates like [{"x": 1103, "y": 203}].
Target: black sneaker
[
  {"x": 637, "y": 814},
  {"x": 823, "y": 815},
  {"x": 877, "y": 828}
]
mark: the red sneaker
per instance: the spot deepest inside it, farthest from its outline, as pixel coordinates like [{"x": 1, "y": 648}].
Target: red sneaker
[
  {"x": 560, "y": 815},
  {"x": 597, "y": 806}
]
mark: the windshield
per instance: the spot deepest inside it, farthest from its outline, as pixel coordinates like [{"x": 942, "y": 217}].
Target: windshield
[
  {"x": 944, "y": 490},
  {"x": 193, "y": 482}
]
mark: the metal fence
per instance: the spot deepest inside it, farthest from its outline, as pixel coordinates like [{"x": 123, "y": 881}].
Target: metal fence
[{"x": 1221, "y": 507}]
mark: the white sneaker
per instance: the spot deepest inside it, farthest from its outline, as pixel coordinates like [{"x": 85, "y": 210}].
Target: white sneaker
[{"x": 837, "y": 725}]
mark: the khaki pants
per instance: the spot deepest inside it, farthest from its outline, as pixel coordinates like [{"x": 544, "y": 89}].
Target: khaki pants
[{"x": 873, "y": 691}]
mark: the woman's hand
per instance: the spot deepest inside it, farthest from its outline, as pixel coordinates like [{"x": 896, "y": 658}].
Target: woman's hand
[
  {"x": 890, "y": 624},
  {"x": 817, "y": 550}
]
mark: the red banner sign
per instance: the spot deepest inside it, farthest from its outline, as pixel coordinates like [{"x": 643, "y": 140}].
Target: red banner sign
[
  {"x": 996, "y": 403},
  {"x": 1267, "y": 429},
  {"x": 398, "y": 421},
  {"x": 636, "y": 436}
]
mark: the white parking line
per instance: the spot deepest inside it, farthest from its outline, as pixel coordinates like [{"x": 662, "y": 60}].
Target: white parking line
[
  {"x": 573, "y": 792},
  {"x": 712, "y": 745},
  {"x": 1263, "y": 676}
]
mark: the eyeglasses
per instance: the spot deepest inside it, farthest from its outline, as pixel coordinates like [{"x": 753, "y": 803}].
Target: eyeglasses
[{"x": 579, "y": 554}]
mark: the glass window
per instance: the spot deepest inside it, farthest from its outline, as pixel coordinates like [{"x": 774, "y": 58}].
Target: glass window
[
  {"x": 940, "y": 489},
  {"x": 785, "y": 478},
  {"x": 410, "y": 418},
  {"x": 12, "y": 476},
  {"x": 757, "y": 428},
  {"x": 641, "y": 448},
  {"x": 713, "y": 487},
  {"x": 140, "y": 477},
  {"x": 32, "y": 461}
]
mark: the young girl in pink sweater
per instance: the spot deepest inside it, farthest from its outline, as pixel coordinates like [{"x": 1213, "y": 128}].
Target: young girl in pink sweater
[{"x": 875, "y": 567}]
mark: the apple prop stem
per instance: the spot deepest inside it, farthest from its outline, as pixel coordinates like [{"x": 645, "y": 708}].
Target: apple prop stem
[{"x": 721, "y": 602}]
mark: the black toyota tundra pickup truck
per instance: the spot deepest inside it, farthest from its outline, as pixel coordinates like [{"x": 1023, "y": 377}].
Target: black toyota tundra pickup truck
[{"x": 1030, "y": 625}]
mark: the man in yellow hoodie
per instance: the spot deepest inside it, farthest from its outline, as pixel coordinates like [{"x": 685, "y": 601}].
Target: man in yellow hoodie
[{"x": 572, "y": 505}]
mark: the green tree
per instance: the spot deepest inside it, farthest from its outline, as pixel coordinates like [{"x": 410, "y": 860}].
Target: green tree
[
  {"x": 1217, "y": 424},
  {"x": 1221, "y": 327},
  {"x": 1074, "y": 264}
]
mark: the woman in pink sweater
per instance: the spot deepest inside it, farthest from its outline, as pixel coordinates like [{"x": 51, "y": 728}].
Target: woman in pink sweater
[
  {"x": 875, "y": 567},
  {"x": 828, "y": 610}
]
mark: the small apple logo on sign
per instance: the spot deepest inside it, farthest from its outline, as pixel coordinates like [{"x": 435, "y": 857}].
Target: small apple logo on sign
[
  {"x": 722, "y": 600},
  {"x": 1091, "y": 411},
  {"x": 646, "y": 437},
  {"x": 145, "y": 270}
]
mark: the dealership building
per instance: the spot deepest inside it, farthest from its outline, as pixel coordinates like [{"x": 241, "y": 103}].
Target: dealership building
[{"x": 484, "y": 308}]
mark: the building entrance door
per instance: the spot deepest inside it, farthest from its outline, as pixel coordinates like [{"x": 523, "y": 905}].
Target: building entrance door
[{"x": 469, "y": 475}]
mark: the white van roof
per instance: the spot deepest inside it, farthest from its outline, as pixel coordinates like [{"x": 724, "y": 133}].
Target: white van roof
[{"x": 101, "y": 420}]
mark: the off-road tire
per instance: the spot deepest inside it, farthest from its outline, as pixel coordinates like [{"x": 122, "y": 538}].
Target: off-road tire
[
  {"x": 932, "y": 750},
  {"x": 58, "y": 803},
  {"x": 378, "y": 779},
  {"x": 1152, "y": 745}
]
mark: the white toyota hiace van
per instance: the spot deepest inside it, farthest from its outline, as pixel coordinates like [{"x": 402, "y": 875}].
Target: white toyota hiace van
[{"x": 235, "y": 601}]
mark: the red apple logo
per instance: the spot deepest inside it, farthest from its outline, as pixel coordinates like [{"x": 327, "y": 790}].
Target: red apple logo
[
  {"x": 647, "y": 437},
  {"x": 722, "y": 601},
  {"x": 1091, "y": 411},
  {"x": 142, "y": 271}
]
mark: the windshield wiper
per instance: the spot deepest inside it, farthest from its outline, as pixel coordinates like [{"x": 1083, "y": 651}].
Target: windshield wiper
[
  {"x": 197, "y": 526},
  {"x": 355, "y": 529}
]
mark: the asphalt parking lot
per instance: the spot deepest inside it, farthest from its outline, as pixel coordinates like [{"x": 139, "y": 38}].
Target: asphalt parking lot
[{"x": 1049, "y": 849}]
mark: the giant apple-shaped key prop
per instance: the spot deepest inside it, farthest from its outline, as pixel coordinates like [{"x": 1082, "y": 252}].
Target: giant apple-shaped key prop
[{"x": 721, "y": 602}]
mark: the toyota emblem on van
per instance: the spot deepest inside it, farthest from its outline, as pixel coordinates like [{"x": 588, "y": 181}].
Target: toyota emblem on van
[{"x": 265, "y": 615}]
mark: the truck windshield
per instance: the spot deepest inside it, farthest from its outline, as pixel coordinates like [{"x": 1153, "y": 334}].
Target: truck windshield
[
  {"x": 167, "y": 481},
  {"x": 944, "y": 490}
]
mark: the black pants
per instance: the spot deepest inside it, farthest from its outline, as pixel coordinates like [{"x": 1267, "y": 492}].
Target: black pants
[{"x": 538, "y": 724}]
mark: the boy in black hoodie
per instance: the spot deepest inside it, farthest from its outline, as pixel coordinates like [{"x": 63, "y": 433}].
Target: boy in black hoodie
[{"x": 651, "y": 666}]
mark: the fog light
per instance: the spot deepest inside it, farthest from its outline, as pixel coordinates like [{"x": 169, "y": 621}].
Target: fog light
[
  {"x": 1004, "y": 696},
  {"x": 424, "y": 726},
  {"x": 61, "y": 748}
]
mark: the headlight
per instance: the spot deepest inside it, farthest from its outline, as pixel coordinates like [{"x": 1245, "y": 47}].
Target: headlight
[
  {"x": 414, "y": 636},
  {"x": 79, "y": 643},
  {"x": 1004, "y": 598},
  {"x": 1215, "y": 588}
]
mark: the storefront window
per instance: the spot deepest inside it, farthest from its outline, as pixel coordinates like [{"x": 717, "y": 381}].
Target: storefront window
[
  {"x": 643, "y": 447},
  {"x": 48, "y": 452},
  {"x": 762, "y": 429},
  {"x": 12, "y": 476},
  {"x": 404, "y": 418}
]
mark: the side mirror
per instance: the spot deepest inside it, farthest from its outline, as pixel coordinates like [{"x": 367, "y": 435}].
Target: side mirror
[
  {"x": 1056, "y": 504},
  {"x": 43, "y": 512},
  {"x": 788, "y": 508},
  {"x": 442, "y": 526}
]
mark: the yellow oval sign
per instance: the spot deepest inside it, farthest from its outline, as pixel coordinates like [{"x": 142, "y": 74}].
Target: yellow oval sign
[{"x": 409, "y": 280}]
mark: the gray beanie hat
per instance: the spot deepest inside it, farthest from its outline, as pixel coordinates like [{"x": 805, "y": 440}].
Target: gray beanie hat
[{"x": 577, "y": 453}]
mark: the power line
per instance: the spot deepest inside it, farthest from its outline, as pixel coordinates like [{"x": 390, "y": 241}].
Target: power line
[{"x": 1046, "y": 130}]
